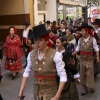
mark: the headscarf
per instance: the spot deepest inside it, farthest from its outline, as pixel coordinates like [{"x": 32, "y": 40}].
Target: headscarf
[
  {"x": 89, "y": 31},
  {"x": 46, "y": 37},
  {"x": 15, "y": 30}
]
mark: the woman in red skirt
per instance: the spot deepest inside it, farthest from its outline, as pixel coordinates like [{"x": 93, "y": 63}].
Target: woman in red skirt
[{"x": 12, "y": 49}]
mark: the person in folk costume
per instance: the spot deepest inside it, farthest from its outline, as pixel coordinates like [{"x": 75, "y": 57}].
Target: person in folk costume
[
  {"x": 0, "y": 63},
  {"x": 71, "y": 41},
  {"x": 12, "y": 50},
  {"x": 70, "y": 91},
  {"x": 46, "y": 63},
  {"x": 86, "y": 44},
  {"x": 96, "y": 31},
  {"x": 27, "y": 35},
  {"x": 96, "y": 25},
  {"x": 70, "y": 38}
]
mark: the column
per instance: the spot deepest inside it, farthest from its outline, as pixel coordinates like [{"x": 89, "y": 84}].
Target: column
[
  {"x": 36, "y": 12},
  {"x": 31, "y": 13}
]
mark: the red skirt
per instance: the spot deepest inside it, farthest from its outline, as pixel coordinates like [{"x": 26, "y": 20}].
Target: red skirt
[{"x": 13, "y": 65}]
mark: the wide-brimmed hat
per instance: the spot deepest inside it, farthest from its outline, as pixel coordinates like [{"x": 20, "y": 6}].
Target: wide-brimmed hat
[
  {"x": 39, "y": 31},
  {"x": 85, "y": 25},
  {"x": 96, "y": 22}
]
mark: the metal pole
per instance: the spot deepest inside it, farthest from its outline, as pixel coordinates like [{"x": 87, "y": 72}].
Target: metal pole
[{"x": 86, "y": 14}]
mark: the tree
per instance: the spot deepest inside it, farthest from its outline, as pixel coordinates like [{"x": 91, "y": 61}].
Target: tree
[{"x": 92, "y": 3}]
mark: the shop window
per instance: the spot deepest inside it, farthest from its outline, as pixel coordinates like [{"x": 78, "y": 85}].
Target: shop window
[{"x": 60, "y": 12}]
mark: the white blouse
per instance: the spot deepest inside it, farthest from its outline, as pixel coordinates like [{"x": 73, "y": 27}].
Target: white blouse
[
  {"x": 25, "y": 33},
  {"x": 96, "y": 30},
  {"x": 95, "y": 46},
  {"x": 58, "y": 63}
]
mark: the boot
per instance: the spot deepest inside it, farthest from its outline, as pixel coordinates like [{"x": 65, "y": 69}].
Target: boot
[{"x": 85, "y": 90}]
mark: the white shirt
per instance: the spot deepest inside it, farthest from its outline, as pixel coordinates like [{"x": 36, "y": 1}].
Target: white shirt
[
  {"x": 96, "y": 30},
  {"x": 95, "y": 46},
  {"x": 58, "y": 63},
  {"x": 25, "y": 33}
]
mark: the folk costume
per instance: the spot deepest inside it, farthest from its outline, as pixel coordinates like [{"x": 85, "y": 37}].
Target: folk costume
[
  {"x": 97, "y": 31},
  {"x": 70, "y": 91},
  {"x": 97, "y": 37},
  {"x": 86, "y": 47},
  {"x": 12, "y": 49},
  {"x": 45, "y": 69},
  {"x": 27, "y": 34}
]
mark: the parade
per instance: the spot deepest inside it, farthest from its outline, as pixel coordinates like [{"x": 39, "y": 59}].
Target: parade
[{"x": 52, "y": 59}]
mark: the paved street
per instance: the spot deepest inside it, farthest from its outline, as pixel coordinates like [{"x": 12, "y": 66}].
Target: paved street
[{"x": 9, "y": 88}]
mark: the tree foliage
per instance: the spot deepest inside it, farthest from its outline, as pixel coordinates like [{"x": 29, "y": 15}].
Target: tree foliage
[{"x": 93, "y": 3}]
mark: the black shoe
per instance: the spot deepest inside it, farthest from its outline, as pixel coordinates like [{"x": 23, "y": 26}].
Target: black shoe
[
  {"x": 17, "y": 73},
  {"x": 82, "y": 94},
  {"x": 92, "y": 90},
  {"x": 24, "y": 66},
  {"x": 1, "y": 78},
  {"x": 13, "y": 77}
]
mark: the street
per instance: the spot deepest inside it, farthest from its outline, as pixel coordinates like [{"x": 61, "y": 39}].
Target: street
[{"x": 9, "y": 88}]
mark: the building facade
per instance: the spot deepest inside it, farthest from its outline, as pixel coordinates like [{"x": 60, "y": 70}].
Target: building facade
[
  {"x": 14, "y": 13},
  {"x": 52, "y": 9}
]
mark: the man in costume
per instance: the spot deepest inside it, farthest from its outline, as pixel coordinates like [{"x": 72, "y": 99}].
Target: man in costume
[
  {"x": 46, "y": 63},
  {"x": 86, "y": 45},
  {"x": 27, "y": 35}
]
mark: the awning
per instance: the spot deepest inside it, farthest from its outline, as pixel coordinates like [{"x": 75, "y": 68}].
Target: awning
[{"x": 71, "y": 3}]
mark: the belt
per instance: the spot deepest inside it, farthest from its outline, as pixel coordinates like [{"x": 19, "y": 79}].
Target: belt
[
  {"x": 38, "y": 76},
  {"x": 86, "y": 53}
]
